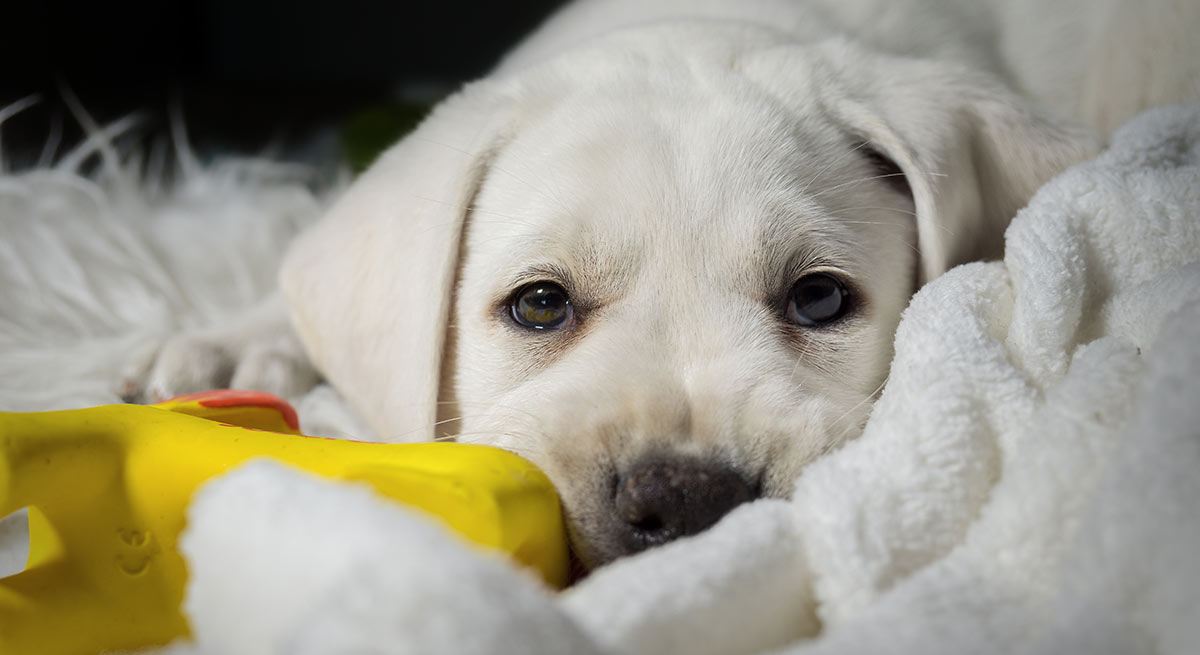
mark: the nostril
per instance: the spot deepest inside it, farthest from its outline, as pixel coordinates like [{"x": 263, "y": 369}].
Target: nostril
[
  {"x": 648, "y": 524},
  {"x": 641, "y": 500},
  {"x": 660, "y": 499}
]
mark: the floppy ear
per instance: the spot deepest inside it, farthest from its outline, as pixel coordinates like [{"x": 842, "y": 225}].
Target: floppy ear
[
  {"x": 973, "y": 152},
  {"x": 370, "y": 285}
]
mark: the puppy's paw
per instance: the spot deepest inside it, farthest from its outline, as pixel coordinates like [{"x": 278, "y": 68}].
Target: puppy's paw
[
  {"x": 282, "y": 369},
  {"x": 258, "y": 351},
  {"x": 187, "y": 364}
]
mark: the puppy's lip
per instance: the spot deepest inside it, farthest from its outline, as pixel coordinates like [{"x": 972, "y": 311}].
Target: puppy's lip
[{"x": 590, "y": 547}]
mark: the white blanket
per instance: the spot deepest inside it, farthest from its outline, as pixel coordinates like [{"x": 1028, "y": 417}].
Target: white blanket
[{"x": 1029, "y": 481}]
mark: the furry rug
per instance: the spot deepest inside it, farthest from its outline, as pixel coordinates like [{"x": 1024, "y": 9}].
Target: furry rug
[
  {"x": 97, "y": 270},
  {"x": 110, "y": 251},
  {"x": 1026, "y": 483}
]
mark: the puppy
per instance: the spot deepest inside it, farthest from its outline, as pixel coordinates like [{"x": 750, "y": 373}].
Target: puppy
[{"x": 662, "y": 250}]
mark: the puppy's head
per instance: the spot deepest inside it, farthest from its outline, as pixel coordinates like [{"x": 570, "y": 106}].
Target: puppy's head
[{"x": 666, "y": 268}]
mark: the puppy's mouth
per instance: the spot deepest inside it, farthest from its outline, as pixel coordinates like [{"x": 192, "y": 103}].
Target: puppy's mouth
[{"x": 656, "y": 500}]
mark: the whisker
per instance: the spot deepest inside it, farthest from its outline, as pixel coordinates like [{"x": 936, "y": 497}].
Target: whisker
[
  {"x": 943, "y": 228},
  {"x": 894, "y": 209},
  {"x": 831, "y": 164},
  {"x": 490, "y": 406},
  {"x": 853, "y": 182},
  {"x": 448, "y": 420},
  {"x": 799, "y": 361},
  {"x": 870, "y": 397},
  {"x": 517, "y": 443},
  {"x": 912, "y": 246}
]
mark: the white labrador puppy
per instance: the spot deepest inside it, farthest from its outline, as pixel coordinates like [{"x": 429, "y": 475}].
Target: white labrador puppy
[{"x": 662, "y": 250}]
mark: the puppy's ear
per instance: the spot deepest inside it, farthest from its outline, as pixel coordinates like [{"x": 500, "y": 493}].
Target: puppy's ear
[
  {"x": 370, "y": 285},
  {"x": 972, "y": 151}
]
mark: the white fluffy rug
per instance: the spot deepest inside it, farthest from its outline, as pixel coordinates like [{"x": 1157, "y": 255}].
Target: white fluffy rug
[
  {"x": 1028, "y": 482},
  {"x": 97, "y": 270}
]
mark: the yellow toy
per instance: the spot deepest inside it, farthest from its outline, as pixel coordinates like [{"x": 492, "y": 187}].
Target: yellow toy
[{"x": 108, "y": 488}]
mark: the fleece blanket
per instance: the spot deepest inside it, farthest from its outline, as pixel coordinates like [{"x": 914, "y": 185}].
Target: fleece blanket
[{"x": 1027, "y": 482}]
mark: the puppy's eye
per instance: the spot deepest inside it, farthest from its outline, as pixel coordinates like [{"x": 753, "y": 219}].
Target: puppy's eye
[
  {"x": 816, "y": 299},
  {"x": 542, "y": 306}
]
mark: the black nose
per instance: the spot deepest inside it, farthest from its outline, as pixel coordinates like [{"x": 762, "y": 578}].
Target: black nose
[{"x": 661, "y": 499}]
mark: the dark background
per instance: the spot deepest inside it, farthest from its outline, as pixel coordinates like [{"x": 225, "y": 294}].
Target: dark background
[{"x": 244, "y": 74}]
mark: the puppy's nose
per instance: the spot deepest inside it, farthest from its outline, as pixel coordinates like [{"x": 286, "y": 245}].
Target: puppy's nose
[{"x": 661, "y": 499}]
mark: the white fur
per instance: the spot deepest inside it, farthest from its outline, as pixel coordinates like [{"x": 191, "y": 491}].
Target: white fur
[
  {"x": 1025, "y": 484},
  {"x": 683, "y": 163},
  {"x": 117, "y": 284}
]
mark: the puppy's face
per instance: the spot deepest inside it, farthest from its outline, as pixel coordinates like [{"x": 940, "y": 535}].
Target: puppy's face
[
  {"x": 671, "y": 267},
  {"x": 672, "y": 296}
]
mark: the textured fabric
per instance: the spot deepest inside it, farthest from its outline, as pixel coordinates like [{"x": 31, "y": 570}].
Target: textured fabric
[{"x": 1026, "y": 483}]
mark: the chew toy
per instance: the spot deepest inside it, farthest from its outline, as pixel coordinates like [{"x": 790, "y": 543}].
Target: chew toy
[{"x": 108, "y": 488}]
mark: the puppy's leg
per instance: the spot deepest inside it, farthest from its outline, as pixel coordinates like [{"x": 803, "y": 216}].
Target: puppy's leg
[{"x": 256, "y": 350}]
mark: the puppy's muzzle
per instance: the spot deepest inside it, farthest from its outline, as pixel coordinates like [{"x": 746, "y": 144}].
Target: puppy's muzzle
[{"x": 663, "y": 498}]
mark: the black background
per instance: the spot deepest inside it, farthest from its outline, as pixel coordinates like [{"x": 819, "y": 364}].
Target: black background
[{"x": 242, "y": 73}]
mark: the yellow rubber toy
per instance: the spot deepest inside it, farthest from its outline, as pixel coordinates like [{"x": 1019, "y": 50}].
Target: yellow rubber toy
[{"x": 108, "y": 488}]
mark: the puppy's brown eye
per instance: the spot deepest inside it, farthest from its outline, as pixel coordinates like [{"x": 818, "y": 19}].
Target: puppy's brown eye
[
  {"x": 542, "y": 306},
  {"x": 816, "y": 299}
]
